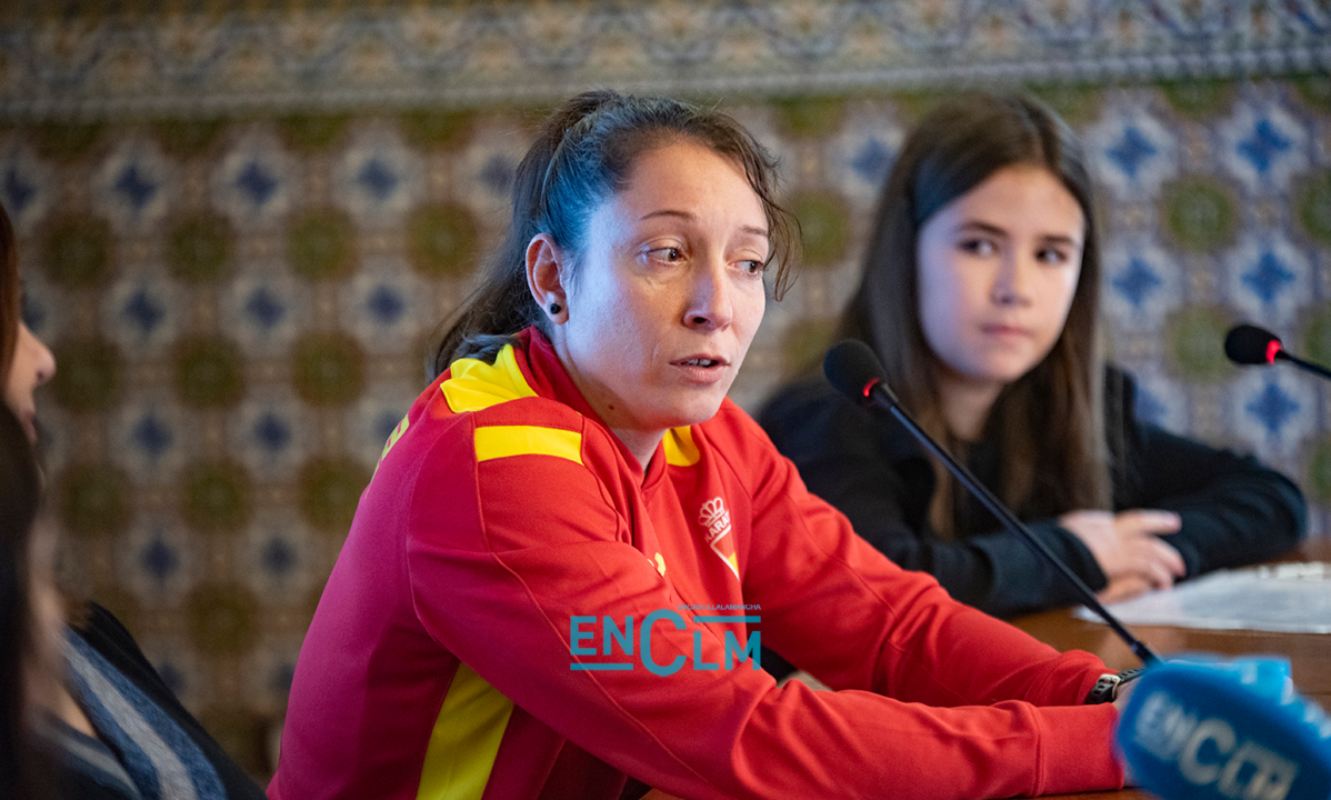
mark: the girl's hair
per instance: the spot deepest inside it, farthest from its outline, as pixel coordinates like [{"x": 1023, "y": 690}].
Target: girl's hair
[
  {"x": 584, "y": 153},
  {"x": 22, "y": 763},
  {"x": 1049, "y": 424},
  {"x": 9, "y": 294},
  {"x": 20, "y": 491}
]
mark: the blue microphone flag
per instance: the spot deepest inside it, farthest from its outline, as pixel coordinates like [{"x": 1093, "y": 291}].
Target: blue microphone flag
[{"x": 1235, "y": 730}]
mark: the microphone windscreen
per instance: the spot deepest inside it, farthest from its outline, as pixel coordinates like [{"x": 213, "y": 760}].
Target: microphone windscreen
[
  {"x": 1225, "y": 730},
  {"x": 1249, "y": 344},
  {"x": 850, "y": 366}
]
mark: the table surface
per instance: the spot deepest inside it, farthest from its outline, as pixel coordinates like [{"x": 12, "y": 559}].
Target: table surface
[{"x": 1309, "y": 654}]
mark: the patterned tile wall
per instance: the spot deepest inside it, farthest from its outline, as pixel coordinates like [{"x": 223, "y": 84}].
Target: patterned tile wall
[{"x": 239, "y": 230}]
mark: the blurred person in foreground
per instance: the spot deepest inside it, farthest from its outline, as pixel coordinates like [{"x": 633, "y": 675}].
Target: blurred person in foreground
[{"x": 83, "y": 715}]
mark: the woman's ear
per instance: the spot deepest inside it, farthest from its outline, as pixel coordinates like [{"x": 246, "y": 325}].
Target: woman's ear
[{"x": 545, "y": 276}]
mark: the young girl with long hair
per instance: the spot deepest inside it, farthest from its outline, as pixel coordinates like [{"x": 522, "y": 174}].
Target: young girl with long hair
[{"x": 980, "y": 294}]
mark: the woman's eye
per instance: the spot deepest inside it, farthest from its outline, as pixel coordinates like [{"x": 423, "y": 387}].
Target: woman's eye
[
  {"x": 753, "y": 266},
  {"x": 666, "y": 254},
  {"x": 979, "y": 247}
]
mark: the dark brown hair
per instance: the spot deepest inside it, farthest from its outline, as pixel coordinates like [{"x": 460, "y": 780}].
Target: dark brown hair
[
  {"x": 1049, "y": 424},
  {"x": 9, "y": 294},
  {"x": 584, "y": 153},
  {"x": 20, "y": 491}
]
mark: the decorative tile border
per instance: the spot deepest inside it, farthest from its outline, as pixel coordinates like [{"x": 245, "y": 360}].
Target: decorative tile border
[{"x": 100, "y": 65}]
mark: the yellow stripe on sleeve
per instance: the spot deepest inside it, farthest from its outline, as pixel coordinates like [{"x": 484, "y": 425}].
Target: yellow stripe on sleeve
[
  {"x": 465, "y": 739},
  {"x": 503, "y": 441}
]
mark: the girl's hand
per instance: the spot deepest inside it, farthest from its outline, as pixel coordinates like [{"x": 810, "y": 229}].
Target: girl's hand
[
  {"x": 1124, "y": 588},
  {"x": 1128, "y": 548}
]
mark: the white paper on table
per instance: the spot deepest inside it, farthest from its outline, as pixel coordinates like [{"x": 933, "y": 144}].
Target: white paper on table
[{"x": 1289, "y": 598}]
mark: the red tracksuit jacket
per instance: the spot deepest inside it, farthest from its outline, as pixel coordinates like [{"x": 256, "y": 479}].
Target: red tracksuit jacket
[{"x": 460, "y": 649}]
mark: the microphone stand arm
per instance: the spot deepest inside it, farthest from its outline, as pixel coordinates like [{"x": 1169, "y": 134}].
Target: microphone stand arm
[
  {"x": 1010, "y": 521},
  {"x": 1316, "y": 369}
]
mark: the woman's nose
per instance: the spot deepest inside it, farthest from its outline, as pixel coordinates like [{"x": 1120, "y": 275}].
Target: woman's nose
[{"x": 711, "y": 305}]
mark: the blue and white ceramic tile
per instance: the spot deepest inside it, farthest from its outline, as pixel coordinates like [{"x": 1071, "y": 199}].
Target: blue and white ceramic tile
[
  {"x": 936, "y": 27},
  {"x": 256, "y": 181},
  {"x": 135, "y": 186},
  {"x": 681, "y": 35},
  {"x": 804, "y": 32},
  {"x": 862, "y": 153},
  {"x": 270, "y": 668},
  {"x": 557, "y": 38},
  {"x": 1269, "y": 279},
  {"x": 1274, "y": 410},
  {"x": 144, "y": 310},
  {"x": 1263, "y": 144},
  {"x": 432, "y": 39},
  {"x": 482, "y": 174},
  {"x": 158, "y": 559},
  {"x": 377, "y": 178},
  {"x": 384, "y": 305},
  {"x": 151, "y": 436},
  {"x": 277, "y": 557},
  {"x": 1132, "y": 147},
  {"x": 1068, "y": 24},
  {"x": 1141, "y": 283},
  {"x": 264, "y": 309},
  {"x": 27, "y": 185},
  {"x": 271, "y": 432}
]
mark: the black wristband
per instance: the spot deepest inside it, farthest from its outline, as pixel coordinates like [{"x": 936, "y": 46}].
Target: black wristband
[{"x": 1105, "y": 690}]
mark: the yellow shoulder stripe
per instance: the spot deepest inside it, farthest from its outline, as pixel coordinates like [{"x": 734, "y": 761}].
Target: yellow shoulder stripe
[
  {"x": 502, "y": 441},
  {"x": 393, "y": 437},
  {"x": 465, "y": 739},
  {"x": 680, "y": 451},
  {"x": 473, "y": 385}
]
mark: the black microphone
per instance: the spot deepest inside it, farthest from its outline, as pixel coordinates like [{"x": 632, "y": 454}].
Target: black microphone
[
  {"x": 853, "y": 369},
  {"x": 1249, "y": 344}
]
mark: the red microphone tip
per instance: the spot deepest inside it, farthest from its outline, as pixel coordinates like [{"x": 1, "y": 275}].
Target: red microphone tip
[
  {"x": 1273, "y": 347},
  {"x": 867, "y": 391}
]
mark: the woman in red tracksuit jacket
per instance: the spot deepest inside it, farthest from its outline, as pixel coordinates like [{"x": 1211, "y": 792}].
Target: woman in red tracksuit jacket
[{"x": 558, "y": 578}]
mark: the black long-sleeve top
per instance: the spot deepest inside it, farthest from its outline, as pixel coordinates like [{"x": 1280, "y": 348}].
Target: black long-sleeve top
[{"x": 1233, "y": 509}]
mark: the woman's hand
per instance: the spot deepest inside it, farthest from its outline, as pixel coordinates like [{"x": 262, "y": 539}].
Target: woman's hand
[{"x": 1128, "y": 548}]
